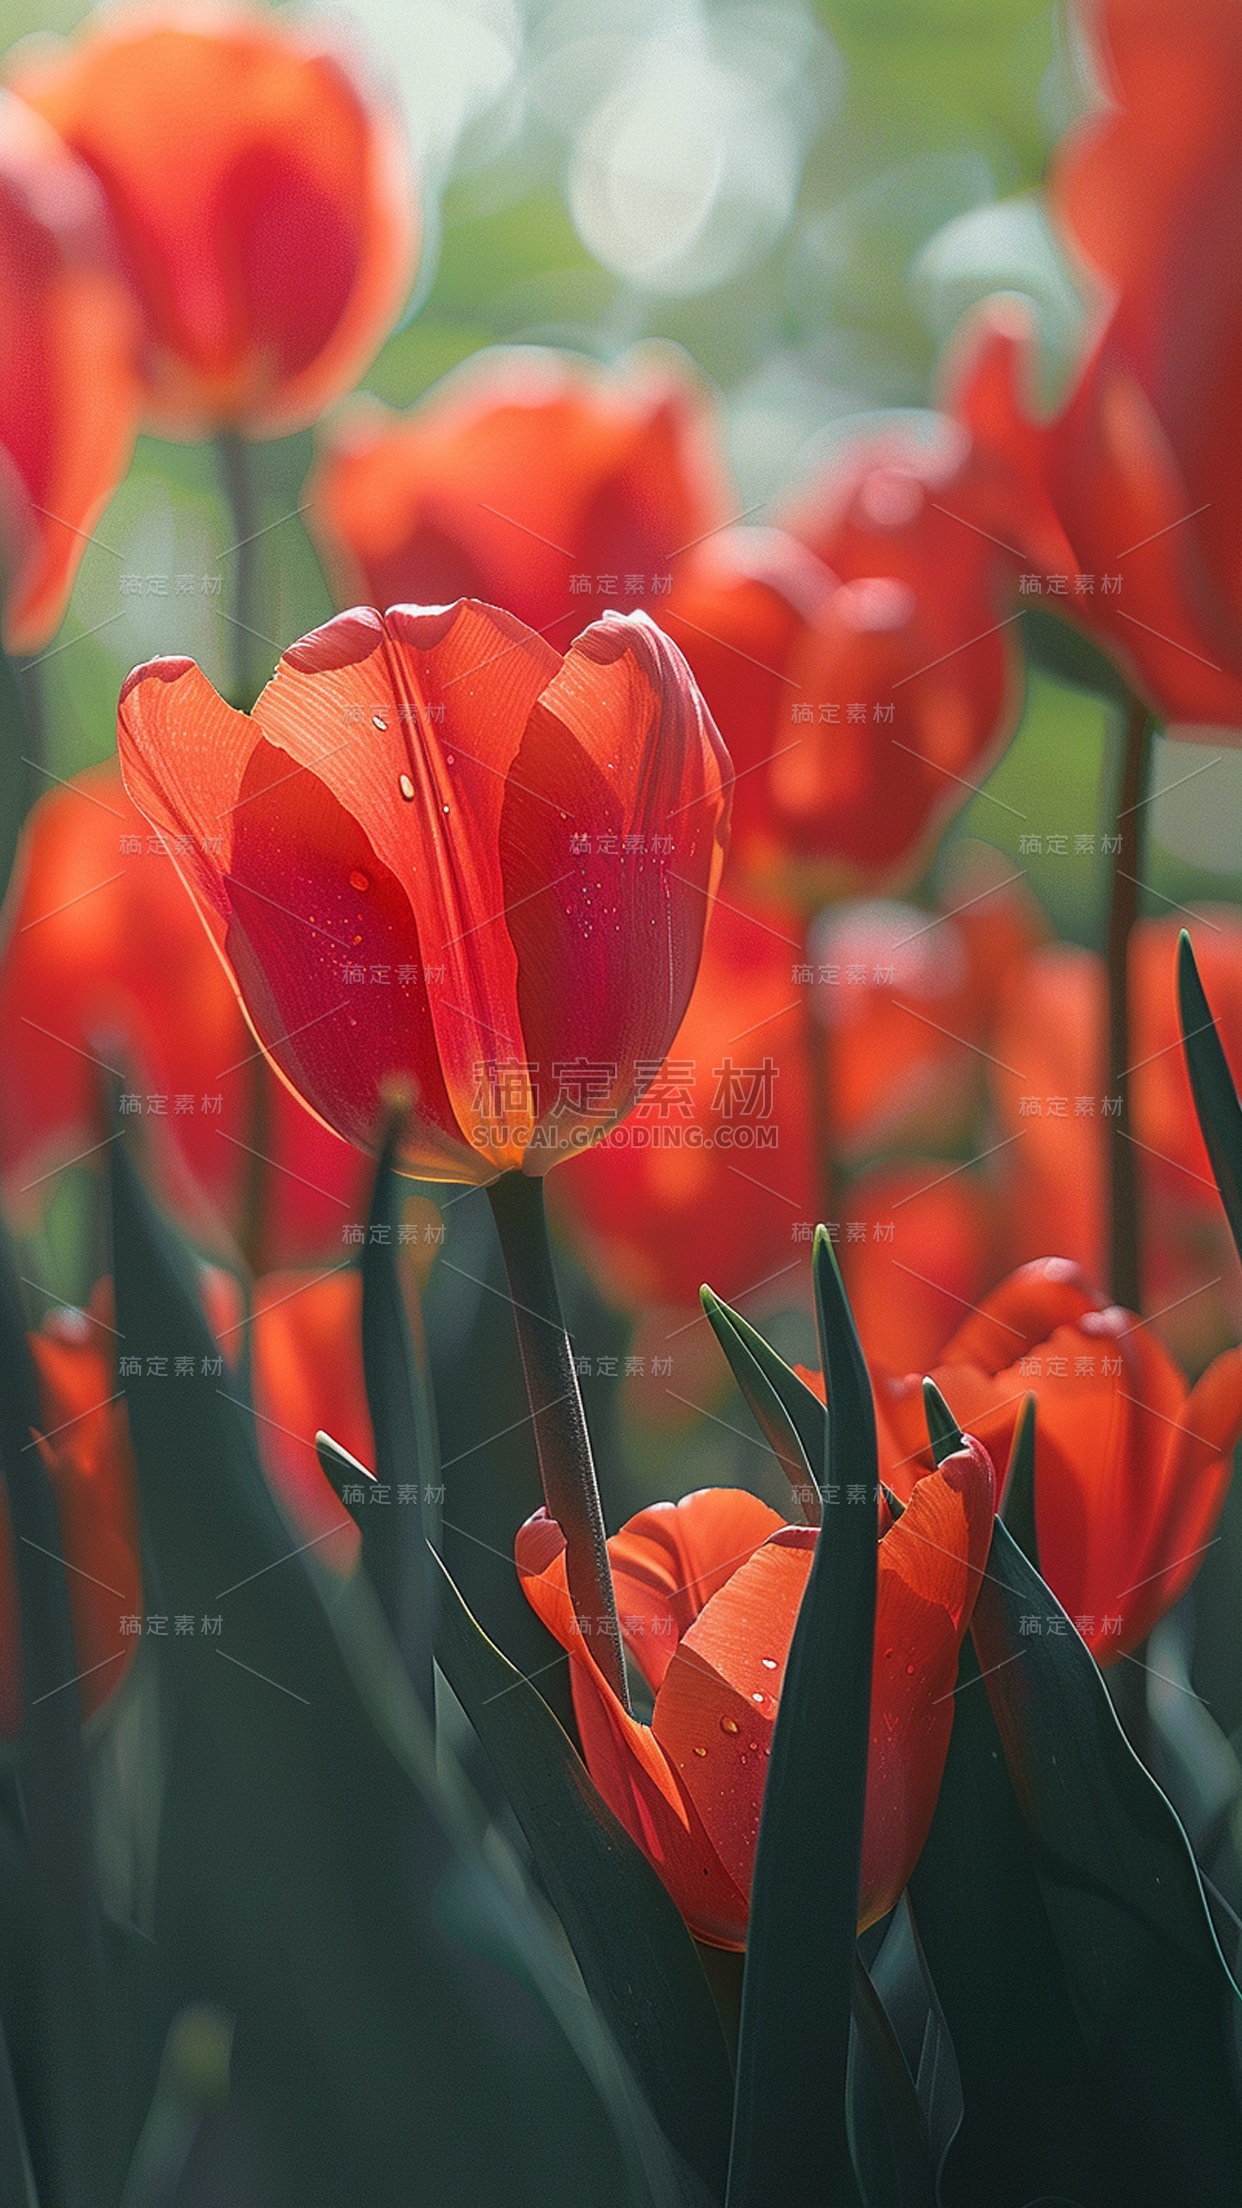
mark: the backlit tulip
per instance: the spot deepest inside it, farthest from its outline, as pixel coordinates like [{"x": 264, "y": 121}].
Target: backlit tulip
[
  {"x": 1131, "y": 1468},
  {"x": 260, "y": 195},
  {"x": 1140, "y": 467},
  {"x": 860, "y": 666},
  {"x": 105, "y": 965},
  {"x": 532, "y": 479},
  {"x": 441, "y": 860},
  {"x": 708, "y": 1591},
  {"x": 68, "y": 387},
  {"x": 84, "y": 1444}
]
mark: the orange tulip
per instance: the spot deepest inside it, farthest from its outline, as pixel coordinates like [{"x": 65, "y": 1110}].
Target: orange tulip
[
  {"x": 518, "y": 850},
  {"x": 260, "y": 195},
  {"x": 105, "y": 964},
  {"x": 84, "y": 1444},
  {"x": 708, "y": 1592},
  {"x": 533, "y": 480},
  {"x": 68, "y": 388},
  {"x": 1131, "y": 1469},
  {"x": 859, "y": 665}
]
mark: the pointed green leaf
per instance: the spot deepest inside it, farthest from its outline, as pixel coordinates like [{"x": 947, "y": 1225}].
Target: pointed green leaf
[
  {"x": 636, "y": 1956},
  {"x": 401, "y": 2006},
  {"x": 790, "y": 2137},
  {"x": 888, "y": 2141},
  {"x": 1017, "y": 1508},
  {"x": 802, "y": 1406},
  {"x": 943, "y": 1430},
  {"x": 339, "y": 1468},
  {"x": 752, "y": 1371},
  {"x": 1212, "y": 1086}
]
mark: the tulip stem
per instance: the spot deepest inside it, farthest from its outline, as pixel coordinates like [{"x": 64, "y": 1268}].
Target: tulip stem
[
  {"x": 565, "y": 1462},
  {"x": 1125, "y": 1261},
  {"x": 237, "y": 479}
]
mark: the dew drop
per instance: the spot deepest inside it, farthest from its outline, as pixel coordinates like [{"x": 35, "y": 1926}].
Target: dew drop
[
  {"x": 448, "y": 759},
  {"x": 444, "y": 808},
  {"x": 700, "y": 1751},
  {"x": 757, "y": 1697},
  {"x": 359, "y": 880},
  {"x": 768, "y": 1662},
  {"x": 909, "y": 1671},
  {"x": 378, "y": 721},
  {"x": 406, "y": 788},
  {"x": 729, "y": 1725}
]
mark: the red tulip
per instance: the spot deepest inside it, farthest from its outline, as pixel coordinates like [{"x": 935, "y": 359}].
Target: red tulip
[
  {"x": 84, "y": 1445},
  {"x": 1140, "y": 468},
  {"x": 68, "y": 389},
  {"x": 1103, "y": 515},
  {"x": 860, "y": 667},
  {"x": 1131, "y": 1469},
  {"x": 260, "y": 195},
  {"x": 105, "y": 963},
  {"x": 519, "y": 850},
  {"x": 708, "y": 1592},
  {"x": 533, "y": 480},
  {"x": 917, "y": 1246}
]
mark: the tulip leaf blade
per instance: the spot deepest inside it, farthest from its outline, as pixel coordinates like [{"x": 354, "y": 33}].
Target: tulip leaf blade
[
  {"x": 751, "y": 1361},
  {"x": 1068, "y": 1935},
  {"x": 943, "y": 1431},
  {"x": 790, "y": 2131},
  {"x": 636, "y": 1955},
  {"x": 399, "y": 1996},
  {"x": 888, "y": 2140},
  {"x": 802, "y": 1407},
  {"x": 1017, "y": 1506},
  {"x": 1212, "y": 1086}
]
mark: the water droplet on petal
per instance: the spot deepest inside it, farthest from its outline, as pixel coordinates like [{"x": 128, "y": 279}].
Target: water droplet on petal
[
  {"x": 757, "y": 1697},
  {"x": 448, "y": 758},
  {"x": 378, "y": 720},
  {"x": 700, "y": 1751},
  {"x": 729, "y": 1725},
  {"x": 768, "y": 1662},
  {"x": 359, "y": 880},
  {"x": 909, "y": 1671},
  {"x": 444, "y": 808},
  {"x": 406, "y": 788}
]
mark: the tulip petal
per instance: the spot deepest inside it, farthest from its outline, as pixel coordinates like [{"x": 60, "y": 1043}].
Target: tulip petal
[
  {"x": 670, "y": 1560},
  {"x": 619, "y": 748},
  {"x": 626, "y": 1760}
]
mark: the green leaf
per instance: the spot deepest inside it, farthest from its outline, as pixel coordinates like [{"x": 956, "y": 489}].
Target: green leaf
[
  {"x": 1017, "y": 1508},
  {"x": 903, "y": 1983},
  {"x": 1155, "y": 2002},
  {"x": 72, "y": 2136},
  {"x": 1212, "y": 1086},
  {"x": 1068, "y": 1937},
  {"x": 1031, "y": 2106},
  {"x": 401, "y": 2005},
  {"x": 887, "y": 2136},
  {"x": 770, "y": 1388},
  {"x": 395, "y": 1541},
  {"x": 943, "y": 1430},
  {"x": 637, "y": 1958},
  {"x": 790, "y": 2138},
  {"x": 1066, "y": 653}
]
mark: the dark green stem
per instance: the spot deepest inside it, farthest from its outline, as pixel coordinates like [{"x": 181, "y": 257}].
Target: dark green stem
[
  {"x": 561, "y": 1439},
  {"x": 237, "y": 478},
  {"x": 1125, "y": 1226}
]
